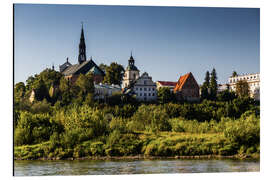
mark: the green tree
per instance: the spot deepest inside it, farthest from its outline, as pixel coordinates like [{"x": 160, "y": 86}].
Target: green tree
[
  {"x": 226, "y": 95},
  {"x": 242, "y": 89},
  {"x": 165, "y": 95},
  {"x": 205, "y": 86},
  {"x": 40, "y": 89},
  {"x": 103, "y": 67},
  {"x": 213, "y": 85},
  {"x": 234, "y": 74},
  {"x": 114, "y": 74},
  {"x": 19, "y": 90},
  {"x": 85, "y": 83}
]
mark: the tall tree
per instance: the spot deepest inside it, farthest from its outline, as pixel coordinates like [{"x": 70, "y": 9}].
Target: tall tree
[
  {"x": 242, "y": 88},
  {"x": 114, "y": 74},
  {"x": 213, "y": 85},
  {"x": 205, "y": 86}
]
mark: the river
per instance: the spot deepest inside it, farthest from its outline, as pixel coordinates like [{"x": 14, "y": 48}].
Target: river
[{"x": 110, "y": 167}]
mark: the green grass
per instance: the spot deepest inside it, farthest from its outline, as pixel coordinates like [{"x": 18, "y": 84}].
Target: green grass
[{"x": 143, "y": 143}]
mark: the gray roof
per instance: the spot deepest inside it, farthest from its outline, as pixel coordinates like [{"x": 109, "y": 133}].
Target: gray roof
[
  {"x": 83, "y": 68},
  {"x": 73, "y": 68}
]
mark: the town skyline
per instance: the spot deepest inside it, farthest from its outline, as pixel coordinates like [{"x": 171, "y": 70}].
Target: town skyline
[{"x": 209, "y": 46}]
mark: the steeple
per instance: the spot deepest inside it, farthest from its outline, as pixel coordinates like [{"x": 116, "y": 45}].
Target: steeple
[
  {"x": 131, "y": 63},
  {"x": 131, "y": 60},
  {"x": 82, "y": 47}
]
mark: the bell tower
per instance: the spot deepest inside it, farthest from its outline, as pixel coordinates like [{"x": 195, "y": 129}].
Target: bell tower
[{"x": 132, "y": 73}]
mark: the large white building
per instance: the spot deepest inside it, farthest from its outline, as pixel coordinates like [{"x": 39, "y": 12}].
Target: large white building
[
  {"x": 253, "y": 81},
  {"x": 142, "y": 86},
  {"x": 145, "y": 88}
]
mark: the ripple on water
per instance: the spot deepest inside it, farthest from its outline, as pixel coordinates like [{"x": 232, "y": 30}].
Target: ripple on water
[{"x": 110, "y": 167}]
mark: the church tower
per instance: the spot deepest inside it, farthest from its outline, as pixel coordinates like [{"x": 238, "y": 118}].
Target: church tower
[
  {"x": 82, "y": 47},
  {"x": 132, "y": 73}
]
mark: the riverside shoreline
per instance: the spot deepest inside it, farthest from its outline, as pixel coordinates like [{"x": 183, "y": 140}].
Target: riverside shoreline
[{"x": 139, "y": 157}]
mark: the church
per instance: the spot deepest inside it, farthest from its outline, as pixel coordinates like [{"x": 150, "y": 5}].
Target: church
[
  {"x": 142, "y": 86},
  {"x": 84, "y": 66}
]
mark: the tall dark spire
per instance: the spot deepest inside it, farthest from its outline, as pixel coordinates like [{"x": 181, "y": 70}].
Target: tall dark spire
[
  {"x": 131, "y": 60},
  {"x": 82, "y": 47}
]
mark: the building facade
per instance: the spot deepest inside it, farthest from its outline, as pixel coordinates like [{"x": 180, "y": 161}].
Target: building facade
[
  {"x": 253, "y": 81},
  {"x": 145, "y": 89},
  {"x": 187, "y": 88},
  {"x": 102, "y": 91}
]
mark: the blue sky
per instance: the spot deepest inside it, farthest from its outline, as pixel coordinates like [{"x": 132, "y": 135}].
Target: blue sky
[{"x": 166, "y": 41}]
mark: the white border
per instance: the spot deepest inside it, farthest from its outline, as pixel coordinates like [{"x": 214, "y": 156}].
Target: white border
[{"x": 6, "y": 36}]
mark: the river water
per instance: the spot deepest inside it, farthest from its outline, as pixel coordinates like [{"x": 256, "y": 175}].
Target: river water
[{"x": 110, "y": 167}]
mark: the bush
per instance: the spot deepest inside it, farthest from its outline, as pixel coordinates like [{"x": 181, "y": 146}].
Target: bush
[{"x": 34, "y": 128}]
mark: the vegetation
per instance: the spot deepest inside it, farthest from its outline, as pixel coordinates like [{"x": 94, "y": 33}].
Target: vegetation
[
  {"x": 68, "y": 123},
  {"x": 114, "y": 73},
  {"x": 242, "y": 88}
]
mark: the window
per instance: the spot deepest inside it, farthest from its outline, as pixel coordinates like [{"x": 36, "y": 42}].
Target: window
[
  {"x": 153, "y": 94},
  {"x": 140, "y": 94},
  {"x": 144, "y": 94},
  {"x": 149, "y": 89},
  {"x": 145, "y": 89},
  {"x": 140, "y": 89},
  {"x": 136, "y": 89},
  {"x": 153, "y": 89},
  {"x": 149, "y": 94},
  {"x": 144, "y": 82}
]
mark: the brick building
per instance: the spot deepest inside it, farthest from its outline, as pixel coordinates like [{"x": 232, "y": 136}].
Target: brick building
[{"x": 187, "y": 88}]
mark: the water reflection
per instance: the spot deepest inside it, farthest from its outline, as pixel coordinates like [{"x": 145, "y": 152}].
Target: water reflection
[{"x": 100, "y": 167}]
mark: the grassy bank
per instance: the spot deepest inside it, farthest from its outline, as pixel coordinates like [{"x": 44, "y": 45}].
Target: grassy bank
[{"x": 141, "y": 145}]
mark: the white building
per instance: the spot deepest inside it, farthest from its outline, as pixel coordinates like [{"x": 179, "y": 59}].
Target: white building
[
  {"x": 102, "y": 91},
  {"x": 145, "y": 88},
  {"x": 142, "y": 86},
  {"x": 253, "y": 81}
]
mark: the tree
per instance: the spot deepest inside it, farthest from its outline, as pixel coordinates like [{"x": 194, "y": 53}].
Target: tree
[
  {"x": 114, "y": 74},
  {"x": 40, "y": 89},
  {"x": 234, "y": 74},
  {"x": 103, "y": 67},
  {"x": 165, "y": 95},
  {"x": 213, "y": 85},
  {"x": 205, "y": 86},
  {"x": 226, "y": 95},
  {"x": 242, "y": 89},
  {"x": 85, "y": 83},
  {"x": 19, "y": 90}
]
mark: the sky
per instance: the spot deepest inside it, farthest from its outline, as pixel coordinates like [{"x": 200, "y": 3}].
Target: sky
[{"x": 166, "y": 42}]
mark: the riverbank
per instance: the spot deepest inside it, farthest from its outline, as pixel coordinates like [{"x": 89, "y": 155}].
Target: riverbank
[
  {"x": 142, "y": 157},
  {"x": 165, "y": 145}
]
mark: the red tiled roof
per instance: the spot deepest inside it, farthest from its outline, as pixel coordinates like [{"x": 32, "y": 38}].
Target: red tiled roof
[
  {"x": 181, "y": 82},
  {"x": 167, "y": 83}
]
